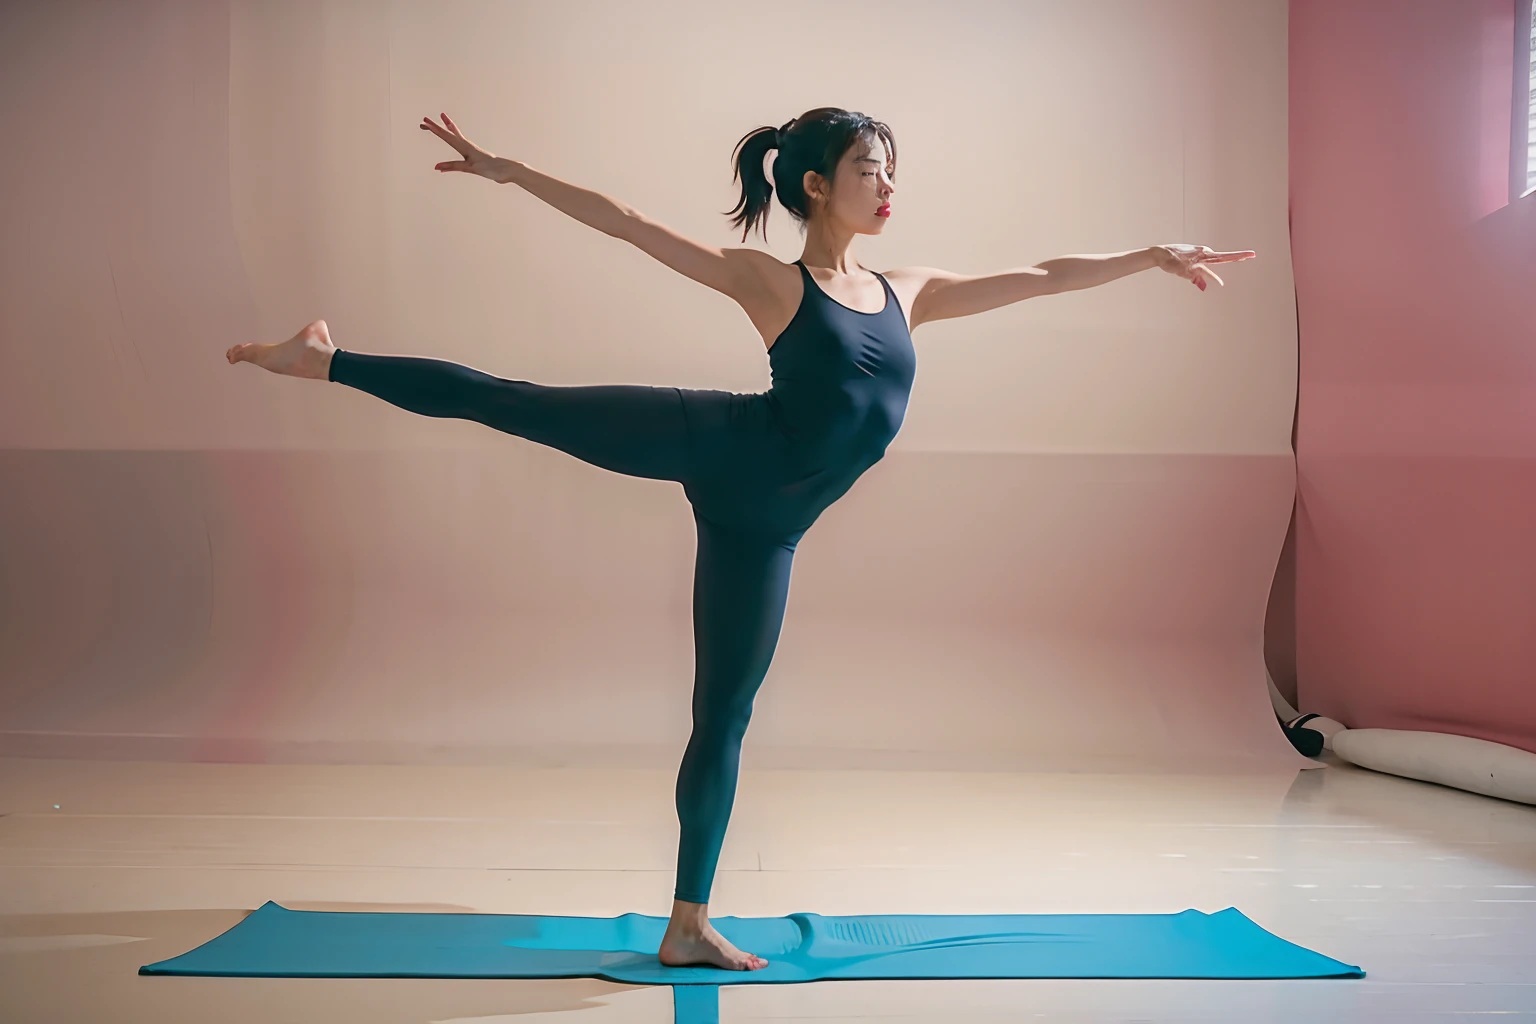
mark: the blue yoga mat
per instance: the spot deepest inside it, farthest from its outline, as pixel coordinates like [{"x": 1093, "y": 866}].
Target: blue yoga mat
[{"x": 275, "y": 942}]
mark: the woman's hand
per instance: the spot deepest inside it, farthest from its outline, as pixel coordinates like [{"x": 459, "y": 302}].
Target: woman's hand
[
  {"x": 1190, "y": 261},
  {"x": 476, "y": 160}
]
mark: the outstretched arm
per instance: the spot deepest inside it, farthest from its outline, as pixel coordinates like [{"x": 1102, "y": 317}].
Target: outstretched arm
[
  {"x": 943, "y": 295},
  {"x": 591, "y": 208},
  {"x": 736, "y": 272}
]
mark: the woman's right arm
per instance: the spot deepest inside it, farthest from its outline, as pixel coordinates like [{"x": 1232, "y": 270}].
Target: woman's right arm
[
  {"x": 735, "y": 271},
  {"x": 593, "y": 209},
  {"x": 741, "y": 273}
]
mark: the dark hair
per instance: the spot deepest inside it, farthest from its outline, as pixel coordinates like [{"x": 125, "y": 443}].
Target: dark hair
[{"x": 814, "y": 141}]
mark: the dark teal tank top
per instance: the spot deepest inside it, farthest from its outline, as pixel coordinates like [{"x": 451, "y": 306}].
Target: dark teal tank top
[{"x": 841, "y": 378}]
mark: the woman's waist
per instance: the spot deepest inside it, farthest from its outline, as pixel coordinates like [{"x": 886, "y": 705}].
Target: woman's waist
[{"x": 831, "y": 418}]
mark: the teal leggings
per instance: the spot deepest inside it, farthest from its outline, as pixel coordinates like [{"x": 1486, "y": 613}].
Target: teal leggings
[{"x": 749, "y": 514}]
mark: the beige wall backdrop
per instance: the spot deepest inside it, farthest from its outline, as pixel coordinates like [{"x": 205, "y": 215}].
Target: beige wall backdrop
[{"x": 1063, "y": 561}]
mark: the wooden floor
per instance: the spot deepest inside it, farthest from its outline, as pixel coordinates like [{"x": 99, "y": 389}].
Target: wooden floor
[{"x": 107, "y": 866}]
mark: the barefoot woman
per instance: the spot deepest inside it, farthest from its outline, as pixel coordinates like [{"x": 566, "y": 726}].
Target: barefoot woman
[{"x": 758, "y": 469}]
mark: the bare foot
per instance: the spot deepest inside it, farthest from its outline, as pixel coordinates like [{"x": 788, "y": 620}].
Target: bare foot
[
  {"x": 306, "y": 354},
  {"x": 679, "y": 949}
]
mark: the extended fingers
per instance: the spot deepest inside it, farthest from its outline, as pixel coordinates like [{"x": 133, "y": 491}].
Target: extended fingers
[
  {"x": 1208, "y": 256},
  {"x": 1190, "y": 262},
  {"x": 457, "y": 141}
]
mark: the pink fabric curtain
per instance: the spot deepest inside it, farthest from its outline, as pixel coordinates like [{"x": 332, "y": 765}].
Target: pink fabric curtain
[{"x": 1416, "y": 519}]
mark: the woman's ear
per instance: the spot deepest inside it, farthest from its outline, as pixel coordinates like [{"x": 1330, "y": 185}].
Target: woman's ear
[{"x": 814, "y": 186}]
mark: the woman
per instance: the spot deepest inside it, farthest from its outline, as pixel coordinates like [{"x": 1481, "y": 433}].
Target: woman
[{"x": 758, "y": 469}]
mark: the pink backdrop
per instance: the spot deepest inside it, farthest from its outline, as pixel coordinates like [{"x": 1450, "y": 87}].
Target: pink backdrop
[{"x": 1416, "y": 522}]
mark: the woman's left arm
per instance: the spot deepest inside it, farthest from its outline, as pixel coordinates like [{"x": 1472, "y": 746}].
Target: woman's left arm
[{"x": 942, "y": 295}]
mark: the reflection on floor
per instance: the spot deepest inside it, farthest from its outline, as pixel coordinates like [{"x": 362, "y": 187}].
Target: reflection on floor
[{"x": 109, "y": 865}]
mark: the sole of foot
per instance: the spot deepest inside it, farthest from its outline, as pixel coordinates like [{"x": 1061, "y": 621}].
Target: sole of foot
[{"x": 306, "y": 354}]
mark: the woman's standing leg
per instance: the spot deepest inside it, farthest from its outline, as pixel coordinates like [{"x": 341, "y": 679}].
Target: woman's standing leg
[{"x": 740, "y": 588}]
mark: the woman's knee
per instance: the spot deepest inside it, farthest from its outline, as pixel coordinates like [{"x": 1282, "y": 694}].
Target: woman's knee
[{"x": 722, "y": 726}]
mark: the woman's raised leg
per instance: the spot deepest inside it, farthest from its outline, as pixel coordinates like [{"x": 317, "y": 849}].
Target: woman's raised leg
[{"x": 634, "y": 429}]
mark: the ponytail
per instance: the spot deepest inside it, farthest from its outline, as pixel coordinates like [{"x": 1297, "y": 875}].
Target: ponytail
[{"x": 756, "y": 190}]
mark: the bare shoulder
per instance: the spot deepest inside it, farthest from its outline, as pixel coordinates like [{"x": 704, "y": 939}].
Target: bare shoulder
[
  {"x": 912, "y": 275},
  {"x": 770, "y": 292},
  {"x": 766, "y": 273}
]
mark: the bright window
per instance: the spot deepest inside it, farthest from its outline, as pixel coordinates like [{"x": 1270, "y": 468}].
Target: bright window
[
  {"x": 1530, "y": 101},
  {"x": 1522, "y": 170}
]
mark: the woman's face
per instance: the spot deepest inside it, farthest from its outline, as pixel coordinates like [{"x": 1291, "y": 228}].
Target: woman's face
[{"x": 861, "y": 188}]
